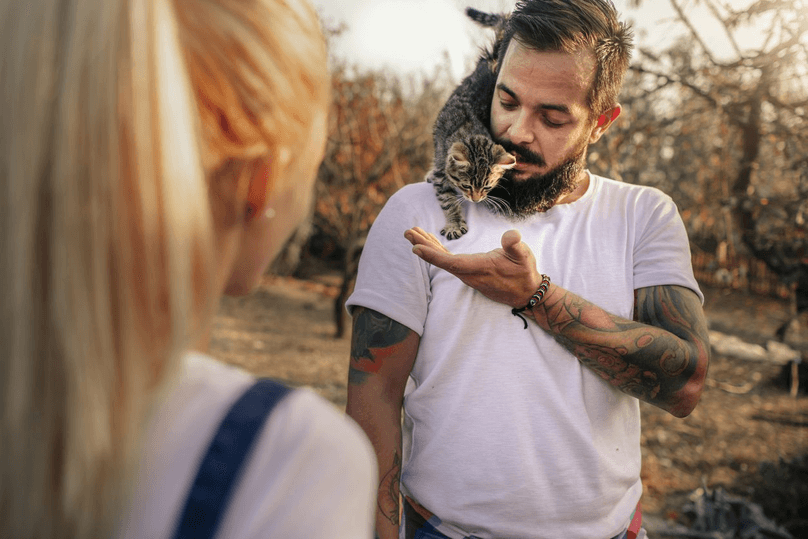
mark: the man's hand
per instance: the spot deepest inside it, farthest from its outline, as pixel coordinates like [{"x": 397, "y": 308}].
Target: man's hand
[
  {"x": 661, "y": 357},
  {"x": 507, "y": 275}
]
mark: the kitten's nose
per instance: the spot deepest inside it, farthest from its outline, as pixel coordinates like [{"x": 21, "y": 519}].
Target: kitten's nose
[{"x": 477, "y": 196}]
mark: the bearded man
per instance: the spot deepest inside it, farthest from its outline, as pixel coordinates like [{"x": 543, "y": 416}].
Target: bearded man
[{"x": 528, "y": 427}]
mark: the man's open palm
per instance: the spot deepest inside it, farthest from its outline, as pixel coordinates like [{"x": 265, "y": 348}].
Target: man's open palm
[{"x": 506, "y": 275}]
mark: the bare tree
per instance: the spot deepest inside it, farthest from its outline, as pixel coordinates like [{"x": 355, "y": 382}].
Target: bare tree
[
  {"x": 380, "y": 138},
  {"x": 726, "y": 134}
]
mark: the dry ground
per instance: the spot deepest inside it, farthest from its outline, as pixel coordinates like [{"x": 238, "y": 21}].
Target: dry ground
[{"x": 285, "y": 330}]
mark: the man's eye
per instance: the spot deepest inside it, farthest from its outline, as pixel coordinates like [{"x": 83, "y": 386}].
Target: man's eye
[
  {"x": 554, "y": 125},
  {"x": 507, "y": 106}
]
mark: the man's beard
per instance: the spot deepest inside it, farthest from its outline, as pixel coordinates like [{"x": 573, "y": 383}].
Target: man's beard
[{"x": 539, "y": 192}]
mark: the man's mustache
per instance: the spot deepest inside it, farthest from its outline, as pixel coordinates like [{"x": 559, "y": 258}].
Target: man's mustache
[{"x": 522, "y": 154}]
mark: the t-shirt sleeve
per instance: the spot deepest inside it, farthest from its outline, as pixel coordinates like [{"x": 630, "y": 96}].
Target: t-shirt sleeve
[
  {"x": 311, "y": 475},
  {"x": 391, "y": 279},
  {"x": 662, "y": 250}
]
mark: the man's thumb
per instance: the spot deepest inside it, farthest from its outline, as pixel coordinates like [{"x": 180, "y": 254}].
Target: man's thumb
[{"x": 513, "y": 246}]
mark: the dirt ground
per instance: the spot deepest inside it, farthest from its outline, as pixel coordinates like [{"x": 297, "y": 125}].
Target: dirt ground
[{"x": 285, "y": 330}]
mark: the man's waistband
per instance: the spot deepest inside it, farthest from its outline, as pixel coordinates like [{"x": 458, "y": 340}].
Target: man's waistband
[{"x": 419, "y": 518}]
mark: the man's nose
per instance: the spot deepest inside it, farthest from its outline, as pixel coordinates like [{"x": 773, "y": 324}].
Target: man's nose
[{"x": 519, "y": 131}]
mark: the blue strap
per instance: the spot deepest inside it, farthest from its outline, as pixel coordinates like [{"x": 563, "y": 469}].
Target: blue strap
[{"x": 223, "y": 461}]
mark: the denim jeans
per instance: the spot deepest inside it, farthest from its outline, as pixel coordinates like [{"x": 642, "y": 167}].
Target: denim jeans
[{"x": 417, "y": 527}]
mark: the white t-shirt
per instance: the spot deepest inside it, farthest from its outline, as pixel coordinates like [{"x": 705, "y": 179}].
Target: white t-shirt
[
  {"x": 506, "y": 433},
  {"x": 311, "y": 473}
]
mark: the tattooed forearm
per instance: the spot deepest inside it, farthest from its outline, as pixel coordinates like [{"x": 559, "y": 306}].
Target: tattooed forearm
[
  {"x": 375, "y": 338},
  {"x": 652, "y": 358},
  {"x": 388, "y": 494}
]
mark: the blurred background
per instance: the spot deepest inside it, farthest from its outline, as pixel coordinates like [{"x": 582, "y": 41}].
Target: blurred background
[{"x": 715, "y": 113}]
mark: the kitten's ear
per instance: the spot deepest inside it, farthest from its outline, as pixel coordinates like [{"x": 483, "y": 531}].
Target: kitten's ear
[
  {"x": 458, "y": 154},
  {"x": 503, "y": 159}
]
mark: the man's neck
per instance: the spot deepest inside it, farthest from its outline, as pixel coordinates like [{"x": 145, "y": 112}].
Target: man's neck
[{"x": 578, "y": 192}]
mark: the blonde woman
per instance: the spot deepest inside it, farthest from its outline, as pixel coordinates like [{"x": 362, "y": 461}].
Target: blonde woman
[{"x": 153, "y": 155}]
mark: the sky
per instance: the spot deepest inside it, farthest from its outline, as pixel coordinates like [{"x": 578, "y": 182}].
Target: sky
[{"x": 413, "y": 36}]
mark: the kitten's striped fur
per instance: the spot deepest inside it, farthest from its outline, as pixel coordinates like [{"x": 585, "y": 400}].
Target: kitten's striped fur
[{"x": 468, "y": 163}]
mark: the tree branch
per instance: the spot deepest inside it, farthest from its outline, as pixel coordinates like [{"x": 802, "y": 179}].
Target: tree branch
[{"x": 686, "y": 21}]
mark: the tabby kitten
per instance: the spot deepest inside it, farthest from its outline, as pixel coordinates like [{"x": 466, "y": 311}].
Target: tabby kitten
[{"x": 468, "y": 164}]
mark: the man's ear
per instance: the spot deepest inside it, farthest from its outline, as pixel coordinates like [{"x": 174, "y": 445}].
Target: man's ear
[{"x": 605, "y": 121}]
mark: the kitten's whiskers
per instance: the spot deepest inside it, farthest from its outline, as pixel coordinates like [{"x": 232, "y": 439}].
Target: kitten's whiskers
[
  {"x": 498, "y": 205},
  {"x": 458, "y": 199}
]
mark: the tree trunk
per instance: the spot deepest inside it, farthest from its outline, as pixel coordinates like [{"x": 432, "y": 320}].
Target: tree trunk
[{"x": 745, "y": 209}]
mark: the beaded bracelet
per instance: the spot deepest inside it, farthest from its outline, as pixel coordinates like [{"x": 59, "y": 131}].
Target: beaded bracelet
[{"x": 535, "y": 299}]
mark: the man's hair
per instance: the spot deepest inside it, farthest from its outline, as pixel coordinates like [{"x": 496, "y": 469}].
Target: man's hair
[{"x": 572, "y": 26}]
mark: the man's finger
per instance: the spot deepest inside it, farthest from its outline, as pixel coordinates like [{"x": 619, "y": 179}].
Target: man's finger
[
  {"x": 458, "y": 265},
  {"x": 513, "y": 246},
  {"x": 437, "y": 257},
  {"x": 417, "y": 236}
]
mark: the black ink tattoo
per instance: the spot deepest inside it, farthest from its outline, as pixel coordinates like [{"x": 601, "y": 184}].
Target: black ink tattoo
[
  {"x": 357, "y": 377},
  {"x": 374, "y": 330},
  {"x": 388, "y": 494},
  {"x": 667, "y": 307},
  {"x": 372, "y": 333},
  {"x": 642, "y": 361}
]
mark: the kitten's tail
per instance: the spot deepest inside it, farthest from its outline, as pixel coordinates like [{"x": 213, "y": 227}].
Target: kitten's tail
[
  {"x": 496, "y": 21},
  {"x": 490, "y": 20}
]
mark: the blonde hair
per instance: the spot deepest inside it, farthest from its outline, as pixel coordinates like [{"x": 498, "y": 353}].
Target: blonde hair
[{"x": 114, "y": 116}]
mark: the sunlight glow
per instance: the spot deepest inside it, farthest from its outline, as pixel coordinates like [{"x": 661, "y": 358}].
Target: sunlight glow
[{"x": 409, "y": 35}]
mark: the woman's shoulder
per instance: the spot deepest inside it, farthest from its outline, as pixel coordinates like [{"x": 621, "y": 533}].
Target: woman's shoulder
[
  {"x": 310, "y": 459},
  {"x": 305, "y": 419},
  {"x": 306, "y": 454},
  {"x": 302, "y": 418}
]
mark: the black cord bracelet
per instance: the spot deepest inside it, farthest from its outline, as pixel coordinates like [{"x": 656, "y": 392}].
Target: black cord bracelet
[{"x": 535, "y": 299}]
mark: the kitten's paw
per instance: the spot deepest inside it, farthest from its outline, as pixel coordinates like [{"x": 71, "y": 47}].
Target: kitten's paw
[{"x": 453, "y": 231}]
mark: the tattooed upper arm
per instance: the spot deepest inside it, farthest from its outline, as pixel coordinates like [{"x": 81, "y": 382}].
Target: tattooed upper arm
[
  {"x": 382, "y": 355},
  {"x": 672, "y": 308},
  {"x": 379, "y": 342}
]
